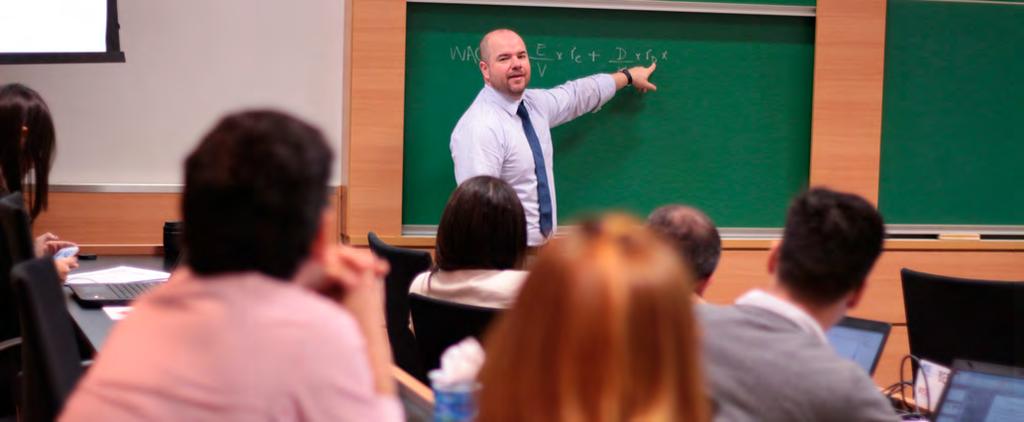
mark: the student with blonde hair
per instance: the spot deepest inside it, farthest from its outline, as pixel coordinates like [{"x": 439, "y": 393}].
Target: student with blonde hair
[{"x": 603, "y": 330}]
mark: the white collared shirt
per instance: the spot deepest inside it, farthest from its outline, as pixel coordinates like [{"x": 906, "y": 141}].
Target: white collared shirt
[
  {"x": 764, "y": 300},
  {"x": 487, "y": 288},
  {"x": 489, "y": 138}
]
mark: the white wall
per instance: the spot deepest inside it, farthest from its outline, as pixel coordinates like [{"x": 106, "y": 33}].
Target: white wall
[{"x": 188, "y": 63}]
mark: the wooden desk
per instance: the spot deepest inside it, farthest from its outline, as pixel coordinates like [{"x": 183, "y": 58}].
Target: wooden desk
[{"x": 94, "y": 325}]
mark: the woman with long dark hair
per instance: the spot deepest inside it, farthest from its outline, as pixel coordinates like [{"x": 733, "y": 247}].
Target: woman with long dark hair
[
  {"x": 481, "y": 243},
  {"x": 27, "y": 146}
]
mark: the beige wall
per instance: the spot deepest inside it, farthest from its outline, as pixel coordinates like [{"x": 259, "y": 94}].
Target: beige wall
[{"x": 189, "y": 62}]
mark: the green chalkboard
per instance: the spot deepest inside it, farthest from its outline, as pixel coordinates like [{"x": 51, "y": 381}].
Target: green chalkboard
[
  {"x": 953, "y": 113},
  {"x": 728, "y": 129}
]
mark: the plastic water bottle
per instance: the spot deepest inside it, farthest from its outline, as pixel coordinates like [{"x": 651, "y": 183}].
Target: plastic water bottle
[{"x": 453, "y": 402}]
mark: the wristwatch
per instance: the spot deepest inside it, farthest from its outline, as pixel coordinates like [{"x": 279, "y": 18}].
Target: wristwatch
[{"x": 629, "y": 78}]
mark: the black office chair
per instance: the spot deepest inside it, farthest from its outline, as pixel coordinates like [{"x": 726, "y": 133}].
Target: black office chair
[
  {"x": 50, "y": 355},
  {"x": 956, "y": 318},
  {"x": 439, "y": 324},
  {"x": 15, "y": 247},
  {"x": 405, "y": 265}
]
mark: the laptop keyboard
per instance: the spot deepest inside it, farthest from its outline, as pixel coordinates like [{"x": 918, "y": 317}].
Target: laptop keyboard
[{"x": 129, "y": 291}]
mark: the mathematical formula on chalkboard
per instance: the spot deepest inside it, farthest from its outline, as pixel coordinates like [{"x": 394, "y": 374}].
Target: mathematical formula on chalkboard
[{"x": 543, "y": 55}]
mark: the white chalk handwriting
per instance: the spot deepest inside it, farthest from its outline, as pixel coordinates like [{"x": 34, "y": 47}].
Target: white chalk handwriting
[{"x": 545, "y": 55}]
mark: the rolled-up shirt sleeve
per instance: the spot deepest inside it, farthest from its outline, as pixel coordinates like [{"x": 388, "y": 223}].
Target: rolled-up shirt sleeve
[
  {"x": 574, "y": 98},
  {"x": 476, "y": 151}
]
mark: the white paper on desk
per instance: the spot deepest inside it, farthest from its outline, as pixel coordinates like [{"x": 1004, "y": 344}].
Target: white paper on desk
[
  {"x": 931, "y": 380},
  {"x": 122, "y": 274},
  {"x": 117, "y": 313}
]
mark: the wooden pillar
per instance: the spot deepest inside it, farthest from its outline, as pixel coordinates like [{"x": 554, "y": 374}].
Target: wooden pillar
[
  {"x": 846, "y": 126},
  {"x": 373, "y": 200}
]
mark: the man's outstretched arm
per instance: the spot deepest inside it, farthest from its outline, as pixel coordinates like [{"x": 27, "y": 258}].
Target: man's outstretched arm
[{"x": 575, "y": 98}]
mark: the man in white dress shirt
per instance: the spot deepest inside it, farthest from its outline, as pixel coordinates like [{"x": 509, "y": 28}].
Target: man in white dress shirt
[{"x": 507, "y": 129}]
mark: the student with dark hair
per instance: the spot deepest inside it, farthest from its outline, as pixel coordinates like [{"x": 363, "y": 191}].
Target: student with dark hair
[
  {"x": 269, "y": 318},
  {"x": 694, "y": 237},
  {"x": 27, "y": 146},
  {"x": 767, "y": 356},
  {"x": 481, "y": 243}
]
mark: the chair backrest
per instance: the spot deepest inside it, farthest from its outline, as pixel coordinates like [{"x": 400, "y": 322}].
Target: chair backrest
[
  {"x": 50, "y": 355},
  {"x": 16, "y": 246},
  {"x": 405, "y": 265},
  {"x": 440, "y": 324},
  {"x": 955, "y": 318}
]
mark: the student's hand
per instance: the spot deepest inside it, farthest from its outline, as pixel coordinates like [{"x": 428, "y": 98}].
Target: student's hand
[
  {"x": 49, "y": 244},
  {"x": 359, "y": 273},
  {"x": 641, "y": 77},
  {"x": 355, "y": 274},
  {"x": 64, "y": 266}
]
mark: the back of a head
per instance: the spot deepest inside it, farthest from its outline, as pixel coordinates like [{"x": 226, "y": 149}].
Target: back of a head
[
  {"x": 693, "y": 235},
  {"x": 829, "y": 245},
  {"x": 482, "y": 227},
  {"x": 27, "y": 143},
  {"x": 255, "y": 189},
  {"x": 602, "y": 330}
]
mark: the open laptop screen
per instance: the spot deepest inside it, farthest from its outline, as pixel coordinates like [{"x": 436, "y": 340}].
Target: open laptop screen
[
  {"x": 981, "y": 392},
  {"x": 859, "y": 340}
]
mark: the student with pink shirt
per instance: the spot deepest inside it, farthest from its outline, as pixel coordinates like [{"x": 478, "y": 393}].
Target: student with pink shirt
[{"x": 268, "y": 318}]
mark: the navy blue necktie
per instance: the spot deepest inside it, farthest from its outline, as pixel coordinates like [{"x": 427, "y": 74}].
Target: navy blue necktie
[{"x": 543, "y": 193}]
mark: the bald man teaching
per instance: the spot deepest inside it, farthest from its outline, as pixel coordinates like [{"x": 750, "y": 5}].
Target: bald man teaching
[{"x": 506, "y": 132}]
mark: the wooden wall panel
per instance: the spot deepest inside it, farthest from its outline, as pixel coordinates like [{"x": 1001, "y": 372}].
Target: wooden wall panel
[
  {"x": 884, "y": 298},
  {"x": 888, "y": 371},
  {"x": 94, "y": 219},
  {"x": 124, "y": 223},
  {"x": 846, "y": 126},
  {"x": 744, "y": 266},
  {"x": 376, "y": 107},
  {"x": 742, "y": 270},
  {"x": 738, "y": 271}
]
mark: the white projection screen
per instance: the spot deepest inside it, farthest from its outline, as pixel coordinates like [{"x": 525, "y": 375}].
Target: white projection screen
[{"x": 59, "y": 31}]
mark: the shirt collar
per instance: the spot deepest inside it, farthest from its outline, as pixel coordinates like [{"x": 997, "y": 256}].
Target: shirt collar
[
  {"x": 509, "y": 104},
  {"x": 761, "y": 299}
]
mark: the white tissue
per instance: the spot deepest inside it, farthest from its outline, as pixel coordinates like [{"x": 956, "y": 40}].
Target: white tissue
[{"x": 459, "y": 364}]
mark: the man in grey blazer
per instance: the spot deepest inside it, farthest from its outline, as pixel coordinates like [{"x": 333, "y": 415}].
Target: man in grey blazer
[{"x": 767, "y": 358}]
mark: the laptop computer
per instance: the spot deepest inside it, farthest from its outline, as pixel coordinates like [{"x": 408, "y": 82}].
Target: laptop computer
[
  {"x": 860, "y": 340},
  {"x": 97, "y": 295},
  {"x": 979, "y": 391}
]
